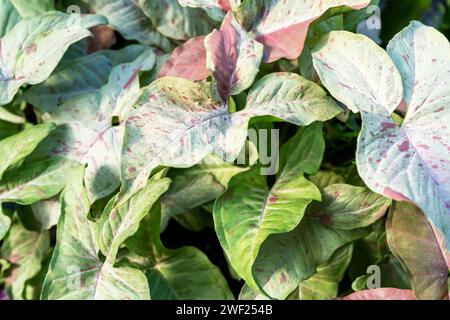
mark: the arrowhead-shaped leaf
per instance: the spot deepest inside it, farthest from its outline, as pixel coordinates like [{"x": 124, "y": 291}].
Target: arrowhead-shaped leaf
[
  {"x": 407, "y": 162},
  {"x": 33, "y": 48},
  {"x": 188, "y": 61},
  {"x": 191, "y": 123},
  {"x": 86, "y": 129},
  {"x": 421, "y": 250}
]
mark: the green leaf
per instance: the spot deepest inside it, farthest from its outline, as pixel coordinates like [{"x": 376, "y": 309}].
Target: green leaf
[
  {"x": 118, "y": 224},
  {"x": 25, "y": 250},
  {"x": 420, "y": 247},
  {"x": 287, "y": 259},
  {"x": 248, "y": 212},
  {"x": 15, "y": 148},
  {"x": 33, "y": 48},
  {"x": 182, "y": 274},
  {"x": 76, "y": 271},
  {"x": 129, "y": 19}
]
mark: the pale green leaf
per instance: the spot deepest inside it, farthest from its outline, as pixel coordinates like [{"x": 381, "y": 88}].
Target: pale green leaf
[{"x": 15, "y": 148}]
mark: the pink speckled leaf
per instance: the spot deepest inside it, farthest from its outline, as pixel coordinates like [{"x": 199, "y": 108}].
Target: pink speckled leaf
[
  {"x": 233, "y": 57},
  {"x": 282, "y": 25},
  {"x": 31, "y": 50},
  {"x": 381, "y": 294},
  {"x": 90, "y": 128},
  {"x": 190, "y": 122},
  {"x": 188, "y": 61},
  {"x": 421, "y": 250},
  {"x": 411, "y": 161}
]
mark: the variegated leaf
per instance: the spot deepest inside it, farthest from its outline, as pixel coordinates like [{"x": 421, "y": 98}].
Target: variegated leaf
[
  {"x": 32, "y": 49},
  {"x": 191, "y": 123},
  {"x": 282, "y": 25},
  {"x": 233, "y": 58}
]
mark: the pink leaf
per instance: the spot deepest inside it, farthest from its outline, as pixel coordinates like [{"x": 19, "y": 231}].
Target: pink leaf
[{"x": 187, "y": 61}]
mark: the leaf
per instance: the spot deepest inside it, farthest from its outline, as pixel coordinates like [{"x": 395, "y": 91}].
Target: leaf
[
  {"x": 32, "y": 8},
  {"x": 324, "y": 284},
  {"x": 129, "y": 19},
  {"x": 118, "y": 224},
  {"x": 205, "y": 126},
  {"x": 381, "y": 294},
  {"x": 183, "y": 274},
  {"x": 188, "y": 61},
  {"x": 25, "y": 250},
  {"x": 233, "y": 58},
  {"x": 26, "y": 57},
  {"x": 76, "y": 272},
  {"x": 248, "y": 212},
  {"x": 407, "y": 162},
  {"x": 80, "y": 76},
  {"x": 364, "y": 79},
  {"x": 325, "y": 178},
  {"x": 421, "y": 250},
  {"x": 175, "y": 21},
  {"x": 216, "y": 9},
  {"x": 282, "y": 26},
  {"x": 35, "y": 181},
  {"x": 9, "y": 16},
  {"x": 351, "y": 207},
  {"x": 196, "y": 186},
  {"x": 17, "y": 147},
  {"x": 86, "y": 130}
]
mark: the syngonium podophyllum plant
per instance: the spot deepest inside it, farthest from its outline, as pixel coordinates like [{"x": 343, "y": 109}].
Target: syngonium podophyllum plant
[{"x": 103, "y": 150}]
